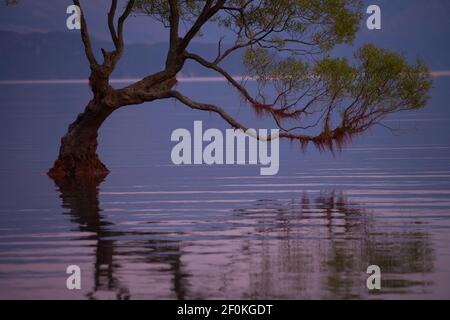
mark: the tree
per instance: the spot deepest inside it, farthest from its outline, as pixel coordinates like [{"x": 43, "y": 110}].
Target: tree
[{"x": 286, "y": 47}]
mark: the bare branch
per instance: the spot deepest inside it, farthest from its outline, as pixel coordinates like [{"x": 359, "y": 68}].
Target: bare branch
[
  {"x": 112, "y": 29},
  {"x": 215, "y": 67},
  {"x": 121, "y": 22},
  {"x": 233, "y": 122},
  {"x": 207, "y": 13},
  {"x": 205, "y": 107},
  {"x": 85, "y": 37},
  {"x": 174, "y": 21}
]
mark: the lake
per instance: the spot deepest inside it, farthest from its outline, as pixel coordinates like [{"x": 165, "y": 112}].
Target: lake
[{"x": 153, "y": 230}]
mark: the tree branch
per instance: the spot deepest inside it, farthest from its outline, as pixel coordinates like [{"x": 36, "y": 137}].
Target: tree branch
[
  {"x": 85, "y": 37},
  {"x": 207, "y": 13},
  {"x": 121, "y": 22},
  {"x": 215, "y": 67},
  {"x": 230, "y": 120},
  {"x": 111, "y": 58},
  {"x": 174, "y": 21},
  {"x": 112, "y": 29},
  {"x": 276, "y": 113}
]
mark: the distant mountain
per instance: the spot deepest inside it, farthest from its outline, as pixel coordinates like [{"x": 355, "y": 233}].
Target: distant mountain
[
  {"x": 60, "y": 55},
  {"x": 404, "y": 22},
  {"x": 57, "y": 55}
]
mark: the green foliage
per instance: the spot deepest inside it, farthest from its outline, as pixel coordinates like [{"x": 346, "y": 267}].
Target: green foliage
[
  {"x": 336, "y": 74},
  {"x": 282, "y": 35},
  {"x": 378, "y": 76},
  {"x": 389, "y": 80},
  {"x": 321, "y": 23}
]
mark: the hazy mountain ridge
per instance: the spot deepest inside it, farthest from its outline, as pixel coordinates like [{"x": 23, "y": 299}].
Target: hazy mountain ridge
[
  {"x": 419, "y": 28},
  {"x": 58, "y": 55}
]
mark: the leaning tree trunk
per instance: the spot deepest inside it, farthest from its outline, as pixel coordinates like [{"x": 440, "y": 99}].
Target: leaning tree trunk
[
  {"x": 78, "y": 151},
  {"x": 78, "y": 157}
]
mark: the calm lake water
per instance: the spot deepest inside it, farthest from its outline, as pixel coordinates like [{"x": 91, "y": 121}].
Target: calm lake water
[{"x": 154, "y": 230}]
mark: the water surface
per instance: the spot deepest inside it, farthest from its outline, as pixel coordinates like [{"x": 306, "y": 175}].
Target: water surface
[{"x": 154, "y": 230}]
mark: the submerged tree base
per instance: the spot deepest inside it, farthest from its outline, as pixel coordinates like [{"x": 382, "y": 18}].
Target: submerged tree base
[
  {"x": 85, "y": 170},
  {"x": 77, "y": 158}
]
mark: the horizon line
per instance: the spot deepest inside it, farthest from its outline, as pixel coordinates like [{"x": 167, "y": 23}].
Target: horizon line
[
  {"x": 118, "y": 80},
  {"x": 434, "y": 74}
]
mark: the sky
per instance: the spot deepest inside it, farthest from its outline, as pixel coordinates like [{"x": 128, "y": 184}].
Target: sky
[
  {"x": 399, "y": 17},
  {"x": 419, "y": 27}
]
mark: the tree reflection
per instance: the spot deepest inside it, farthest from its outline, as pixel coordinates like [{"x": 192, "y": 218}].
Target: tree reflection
[
  {"x": 111, "y": 253},
  {"x": 318, "y": 245},
  {"x": 323, "y": 244}
]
